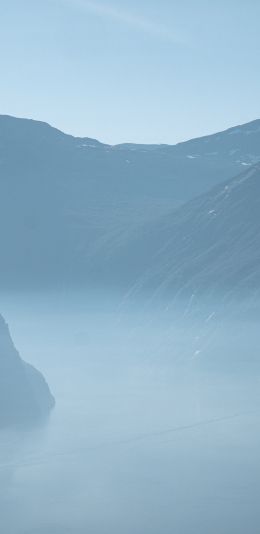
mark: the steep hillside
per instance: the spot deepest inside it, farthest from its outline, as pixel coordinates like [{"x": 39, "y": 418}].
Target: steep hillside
[
  {"x": 65, "y": 199},
  {"x": 210, "y": 244},
  {"x": 24, "y": 394}
]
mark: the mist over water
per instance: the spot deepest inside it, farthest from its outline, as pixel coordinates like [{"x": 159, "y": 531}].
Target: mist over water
[
  {"x": 156, "y": 425},
  {"x": 129, "y": 270}
]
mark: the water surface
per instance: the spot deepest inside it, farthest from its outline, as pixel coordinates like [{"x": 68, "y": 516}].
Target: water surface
[{"x": 146, "y": 437}]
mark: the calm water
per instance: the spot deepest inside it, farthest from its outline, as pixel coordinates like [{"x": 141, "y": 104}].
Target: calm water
[{"x": 140, "y": 441}]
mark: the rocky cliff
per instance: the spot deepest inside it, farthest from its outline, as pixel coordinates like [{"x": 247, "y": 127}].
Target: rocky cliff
[{"x": 24, "y": 393}]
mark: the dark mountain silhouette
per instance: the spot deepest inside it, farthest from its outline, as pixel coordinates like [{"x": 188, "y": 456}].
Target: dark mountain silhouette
[{"x": 24, "y": 394}]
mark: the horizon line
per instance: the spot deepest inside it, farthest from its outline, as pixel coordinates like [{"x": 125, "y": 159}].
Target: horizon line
[{"x": 29, "y": 119}]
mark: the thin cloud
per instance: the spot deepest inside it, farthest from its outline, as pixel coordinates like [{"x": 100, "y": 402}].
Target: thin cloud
[{"x": 138, "y": 23}]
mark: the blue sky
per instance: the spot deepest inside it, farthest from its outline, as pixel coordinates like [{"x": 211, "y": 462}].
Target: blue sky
[{"x": 143, "y": 71}]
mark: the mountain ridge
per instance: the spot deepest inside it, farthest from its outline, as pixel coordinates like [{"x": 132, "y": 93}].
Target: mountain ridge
[
  {"x": 67, "y": 201},
  {"x": 229, "y": 130}
]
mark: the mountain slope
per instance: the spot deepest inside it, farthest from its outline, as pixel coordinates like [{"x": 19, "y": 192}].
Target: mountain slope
[
  {"x": 211, "y": 243},
  {"x": 62, "y": 198}
]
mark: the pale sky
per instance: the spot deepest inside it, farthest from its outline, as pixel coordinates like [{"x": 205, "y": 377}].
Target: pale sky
[{"x": 147, "y": 71}]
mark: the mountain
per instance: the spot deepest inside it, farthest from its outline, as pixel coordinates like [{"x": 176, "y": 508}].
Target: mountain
[
  {"x": 24, "y": 394},
  {"x": 211, "y": 244},
  {"x": 65, "y": 201}
]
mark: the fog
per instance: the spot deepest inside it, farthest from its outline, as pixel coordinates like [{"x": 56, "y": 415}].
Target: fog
[{"x": 156, "y": 424}]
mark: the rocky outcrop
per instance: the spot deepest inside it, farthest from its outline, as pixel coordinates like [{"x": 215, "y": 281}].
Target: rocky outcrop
[{"x": 24, "y": 393}]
